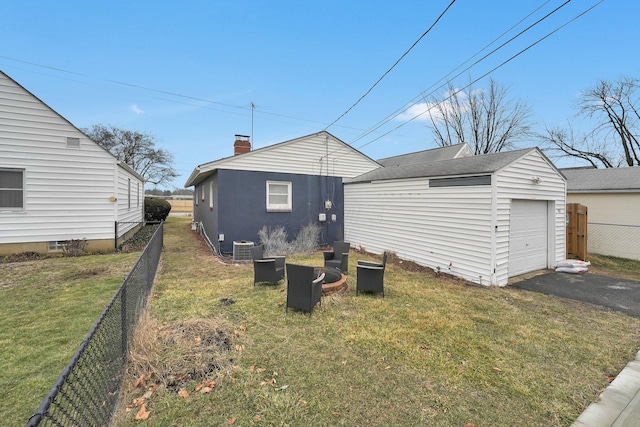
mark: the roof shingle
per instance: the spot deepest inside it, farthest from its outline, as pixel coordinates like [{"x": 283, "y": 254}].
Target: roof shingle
[{"x": 610, "y": 179}]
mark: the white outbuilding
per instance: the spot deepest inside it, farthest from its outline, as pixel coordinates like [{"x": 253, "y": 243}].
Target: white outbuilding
[{"x": 483, "y": 218}]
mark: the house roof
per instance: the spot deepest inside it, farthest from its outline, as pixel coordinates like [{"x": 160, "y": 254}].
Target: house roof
[
  {"x": 585, "y": 180},
  {"x": 206, "y": 169},
  {"x": 462, "y": 166},
  {"x": 118, "y": 162},
  {"x": 432, "y": 155}
]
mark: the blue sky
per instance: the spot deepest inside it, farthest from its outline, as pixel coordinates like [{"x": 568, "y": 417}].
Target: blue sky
[{"x": 187, "y": 72}]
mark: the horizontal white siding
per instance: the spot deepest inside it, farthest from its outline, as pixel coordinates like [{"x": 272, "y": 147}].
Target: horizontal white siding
[
  {"x": 434, "y": 227},
  {"x": 67, "y": 189},
  {"x": 307, "y": 156},
  {"x": 515, "y": 182},
  {"x": 130, "y": 199}
]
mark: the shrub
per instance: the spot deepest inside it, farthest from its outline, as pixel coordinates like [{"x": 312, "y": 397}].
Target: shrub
[
  {"x": 307, "y": 239},
  {"x": 156, "y": 209},
  {"x": 75, "y": 247},
  {"x": 275, "y": 240}
]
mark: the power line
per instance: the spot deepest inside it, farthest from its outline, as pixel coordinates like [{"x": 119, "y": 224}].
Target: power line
[
  {"x": 392, "y": 67},
  {"x": 240, "y": 109},
  {"x": 398, "y": 111},
  {"x": 489, "y": 72}
]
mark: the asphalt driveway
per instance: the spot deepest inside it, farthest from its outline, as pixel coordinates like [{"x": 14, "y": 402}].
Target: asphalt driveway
[{"x": 617, "y": 294}]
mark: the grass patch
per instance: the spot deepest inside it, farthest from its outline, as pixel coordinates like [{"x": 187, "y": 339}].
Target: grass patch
[
  {"x": 433, "y": 352},
  {"x": 618, "y": 267},
  {"x": 47, "y": 307}
]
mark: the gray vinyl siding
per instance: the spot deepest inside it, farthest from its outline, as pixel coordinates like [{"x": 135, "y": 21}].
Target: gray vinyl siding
[{"x": 67, "y": 189}]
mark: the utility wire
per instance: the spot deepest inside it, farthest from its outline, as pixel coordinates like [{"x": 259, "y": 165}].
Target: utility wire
[
  {"x": 422, "y": 95},
  {"x": 165, "y": 92},
  {"x": 489, "y": 72},
  {"x": 392, "y": 67},
  {"x": 398, "y": 111}
]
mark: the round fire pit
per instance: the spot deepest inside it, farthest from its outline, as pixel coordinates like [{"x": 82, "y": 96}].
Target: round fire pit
[{"x": 333, "y": 281}]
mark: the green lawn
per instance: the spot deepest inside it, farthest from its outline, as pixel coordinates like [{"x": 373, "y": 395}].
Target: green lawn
[
  {"x": 47, "y": 307},
  {"x": 433, "y": 352}
]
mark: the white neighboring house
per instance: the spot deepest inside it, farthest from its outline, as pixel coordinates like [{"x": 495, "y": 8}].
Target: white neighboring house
[
  {"x": 56, "y": 184},
  {"x": 612, "y": 197},
  {"x": 482, "y": 218}
]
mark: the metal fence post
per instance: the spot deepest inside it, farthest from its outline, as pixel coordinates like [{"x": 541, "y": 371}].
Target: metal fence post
[{"x": 123, "y": 320}]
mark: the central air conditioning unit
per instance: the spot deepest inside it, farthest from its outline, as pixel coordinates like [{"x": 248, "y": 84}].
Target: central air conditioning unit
[{"x": 242, "y": 250}]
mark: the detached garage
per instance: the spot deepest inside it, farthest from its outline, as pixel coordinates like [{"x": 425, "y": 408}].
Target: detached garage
[{"x": 482, "y": 218}]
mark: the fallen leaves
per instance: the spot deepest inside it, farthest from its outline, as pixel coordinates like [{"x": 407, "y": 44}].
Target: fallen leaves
[
  {"x": 205, "y": 388},
  {"x": 142, "y": 414}
]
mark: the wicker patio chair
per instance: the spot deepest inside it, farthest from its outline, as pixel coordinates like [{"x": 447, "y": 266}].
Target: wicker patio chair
[
  {"x": 304, "y": 289},
  {"x": 269, "y": 270},
  {"x": 338, "y": 257},
  {"x": 371, "y": 276}
]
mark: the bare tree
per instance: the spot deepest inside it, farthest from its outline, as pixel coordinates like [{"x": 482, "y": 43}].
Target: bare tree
[
  {"x": 485, "y": 119},
  {"x": 565, "y": 143},
  {"x": 614, "y": 140},
  {"x": 137, "y": 150}
]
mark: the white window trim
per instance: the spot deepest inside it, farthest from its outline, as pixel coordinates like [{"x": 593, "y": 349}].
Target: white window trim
[
  {"x": 23, "y": 189},
  {"x": 279, "y": 207},
  {"x": 211, "y": 195}
]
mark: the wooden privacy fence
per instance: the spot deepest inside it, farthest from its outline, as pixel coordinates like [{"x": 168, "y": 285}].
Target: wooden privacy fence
[{"x": 577, "y": 231}]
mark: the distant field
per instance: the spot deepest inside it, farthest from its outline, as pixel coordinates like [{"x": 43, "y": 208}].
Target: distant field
[{"x": 181, "y": 205}]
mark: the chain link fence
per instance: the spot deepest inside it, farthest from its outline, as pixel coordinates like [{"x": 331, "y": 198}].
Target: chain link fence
[
  {"x": 86, "y": 394},
  {"x": 621, "y": 241}
]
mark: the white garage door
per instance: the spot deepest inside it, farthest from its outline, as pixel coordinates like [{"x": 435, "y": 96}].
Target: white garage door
[{"x": 528, "y": 236}]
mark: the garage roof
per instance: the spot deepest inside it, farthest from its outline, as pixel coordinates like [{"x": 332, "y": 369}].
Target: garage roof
[
  {"x": 432, "y": 155},
  {"x": 463, "y": 166}
]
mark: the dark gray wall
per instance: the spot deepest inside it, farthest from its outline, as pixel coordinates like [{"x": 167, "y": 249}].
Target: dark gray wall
[
  {"x": 201, "y": 210},
  {"x": 240, "y": 206}
]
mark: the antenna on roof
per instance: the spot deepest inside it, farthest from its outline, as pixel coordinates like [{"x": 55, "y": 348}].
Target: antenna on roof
[{"x": 253, "y": 107}]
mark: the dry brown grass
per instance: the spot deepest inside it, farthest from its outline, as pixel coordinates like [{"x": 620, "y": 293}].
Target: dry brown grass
[{"x": 433, "y": 352}]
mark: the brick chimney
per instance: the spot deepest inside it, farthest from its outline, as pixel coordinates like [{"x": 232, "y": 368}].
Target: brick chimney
[{"x": 242, "y": 145}]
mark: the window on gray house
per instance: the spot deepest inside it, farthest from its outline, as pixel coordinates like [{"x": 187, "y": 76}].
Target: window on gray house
[
  {"x": 12, "y": 189},
  {"x": 211, "y": 195},
  {"x": 278, "y": 196}
]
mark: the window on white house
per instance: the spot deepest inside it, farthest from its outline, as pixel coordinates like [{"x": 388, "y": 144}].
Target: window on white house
[
  {"x": 211, "y": 195},
  {"x": 278, "y": 196},
  {"x": 56, "y": 245},
  {"x": 129, "y": 193},
  {"x": 12, "y": 189},
  {"x": 137, "y": 195}
]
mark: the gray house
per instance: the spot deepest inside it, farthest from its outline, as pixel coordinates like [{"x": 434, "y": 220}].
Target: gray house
[{"x": 290, "y": 184}]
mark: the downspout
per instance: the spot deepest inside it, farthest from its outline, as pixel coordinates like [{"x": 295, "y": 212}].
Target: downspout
[{"x": 494, "y": 227}]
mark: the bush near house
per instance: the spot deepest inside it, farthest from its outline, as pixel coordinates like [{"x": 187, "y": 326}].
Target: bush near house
[{"x": 156, "y": 209}]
